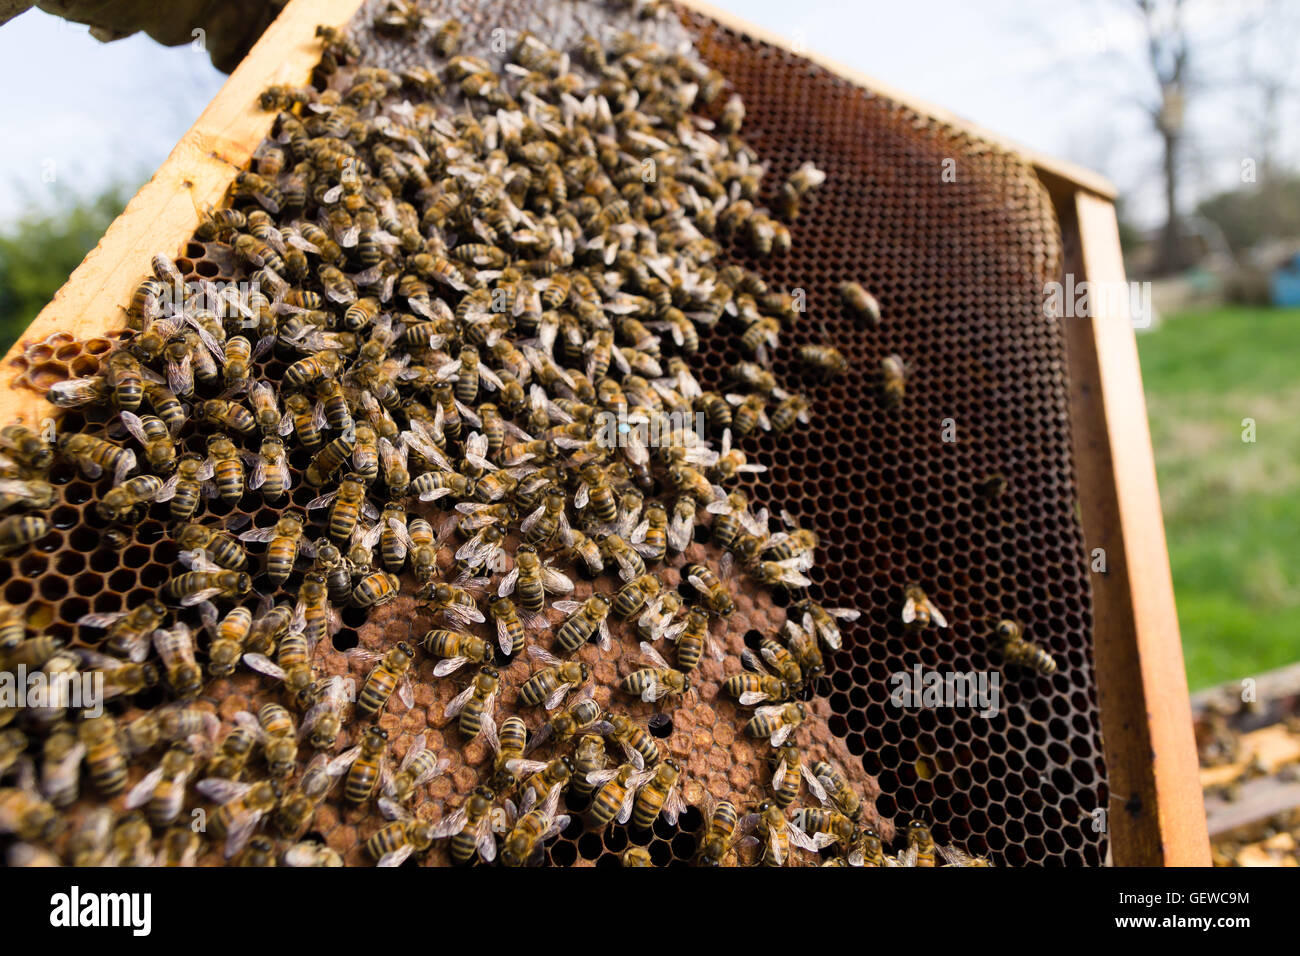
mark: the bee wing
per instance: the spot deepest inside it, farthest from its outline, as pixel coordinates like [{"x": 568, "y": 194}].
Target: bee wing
[
  {"x": 323, "y": 500},
  {"x": 778, "y": 776},
  {"x": 449, "y": 666},
  {"x": 143, "y": 791},
  {"x": 406, "y": 692},
  {"x": 221, "y": 790},
  {"x": 450, "y": 826},
  {"x": 674, "y": 806},
  {"x": 775, "y": 848},
  {"x": 781, "y": 734},
  {"x": 258, "y": 478},
  {"x": 750, "y": 662},
  {"x": 125, "y": 466},
  {"x": 909, "y": 610},
  {"x": 457, "y": 703},
  {"x": 625, "y": 808},
  {"x": 243, "y": 824},
  {"x": 134, "y": 426},
  {"x": 397, "y": 857},
  {"x": 556, "y": 582},
  {"x": 604, "y": 639},
  {"x": 542, "y": 655},
  {"x": 507, "y": 585},
  {"x": 654, "y": 690},
  {"x": 557, "y": 696},
  {"x": 101, "y": 620},
  {"x": 598, "y": 778},
  {"x": 815, "y": 784},
  {"x": 802, "y": 840},
  {"x": 258, "y": 534},
  {"x": 652, "y": 655},
  {"x": 937, "y": 617},
  {"x": 180, "y": 376}
]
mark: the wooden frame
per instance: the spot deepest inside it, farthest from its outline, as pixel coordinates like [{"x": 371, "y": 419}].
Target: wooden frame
[{"x": 1157, "y": 813}]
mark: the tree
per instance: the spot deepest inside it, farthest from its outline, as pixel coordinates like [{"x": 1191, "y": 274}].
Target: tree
[{"x": 40, "y": 250}]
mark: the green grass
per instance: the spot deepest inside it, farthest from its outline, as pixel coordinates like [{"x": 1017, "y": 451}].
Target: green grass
[{"x": 1231, "y": 508}]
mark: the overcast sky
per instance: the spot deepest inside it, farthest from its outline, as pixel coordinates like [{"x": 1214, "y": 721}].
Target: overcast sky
[{"x": 1048, "y": 73}]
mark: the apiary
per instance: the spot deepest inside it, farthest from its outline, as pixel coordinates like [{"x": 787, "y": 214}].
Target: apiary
[{"x": 621, "y": 212}]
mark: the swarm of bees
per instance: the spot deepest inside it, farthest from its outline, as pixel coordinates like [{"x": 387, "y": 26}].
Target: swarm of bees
[{"x": 462, "y": 276}]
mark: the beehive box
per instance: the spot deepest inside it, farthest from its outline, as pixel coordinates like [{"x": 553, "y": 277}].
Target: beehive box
[{"x": 959, "y": 263}]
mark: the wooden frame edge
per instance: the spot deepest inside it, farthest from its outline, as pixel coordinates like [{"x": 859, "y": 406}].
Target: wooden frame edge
[{"x": 1139, "y": 574}]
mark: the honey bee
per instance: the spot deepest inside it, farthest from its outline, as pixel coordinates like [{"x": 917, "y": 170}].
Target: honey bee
[
  {"x": 185, "y": 487},
  {"x": 861, "y": 302},
  {"x": 241, "y": 807},
  {"x": 447, "y": 40},
  {"x": 348, "y": 505},
  {"x": 26, "y": 447},
  {"x": 305, "y": 419},
  {"x": 117, "y": 504},
  {"x": 616, "y": 796},
  {"x": 62, "y": 754},
  {"x": 475, "y": 703},
  {"x": 823, "y": 826},
  {"x": 632, "y": 737},
  {"x": 163, "y": 788},
  {"x": 366, "y": 765},
  {"x": 232, "y": 754},
  {"x": 510, "y": 628},
  {"x": 893, "y": 376},
  {"x": 954, "y": 856},
  {"x": 790, "y": 410},
  {"x": 712, "y": 591},
  {"x": 470, "y": 828},
  {"x": 309, "y": 853},
  {"x": 419, "y": 765},
  {"x": 532, "y": 578},
  {"x": 776, "y": 722},
  {"x": 803, "y": 648},
  {"x": 719, "y": 834},
  {"x": 822, "y": 621},
  {"x": 531, "y": 831},
  {"x": 920, "y": 846},
  {"x": 656, "y": 682},
  {"x": 549, "y": 685},
  {"x": 1019, "y": 651},
  {"x": 128, "y": 632},
  {"x": 918, "y": 611},
  {"x": 94, "y": 455},
  {"x": 105, "y": 759},
  {"x": 844, "y": 798},
  {"x": 220, "y": 547},
  {"x": 323, "y": 721},
  {"x": 586, "y": 619},
  {"x": 867, "y": 849},
  {"x": 391, "y": 673},
  {"x": 633, "y": 596},
  {"x": 775, "y": 834},
  {"x": 205, "y": 581},
  {"x": 227, "y": 468},
  {"x": 175, "y": 647},
  {"x": 823, "y": 358},
  {"x": 456, "y": 604}
]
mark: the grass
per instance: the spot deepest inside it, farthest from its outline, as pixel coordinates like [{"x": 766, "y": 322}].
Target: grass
[{"x": 1231, "y": 507}]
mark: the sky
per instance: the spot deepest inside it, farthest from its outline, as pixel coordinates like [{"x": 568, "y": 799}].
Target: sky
[{"x": 1057, "y": 75}]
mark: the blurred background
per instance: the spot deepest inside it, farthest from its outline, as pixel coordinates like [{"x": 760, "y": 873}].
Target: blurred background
[{"x": 1183, "y": 103}]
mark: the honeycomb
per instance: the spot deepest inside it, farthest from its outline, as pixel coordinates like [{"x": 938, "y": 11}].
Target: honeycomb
[{"x": 959, "y": 269}]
